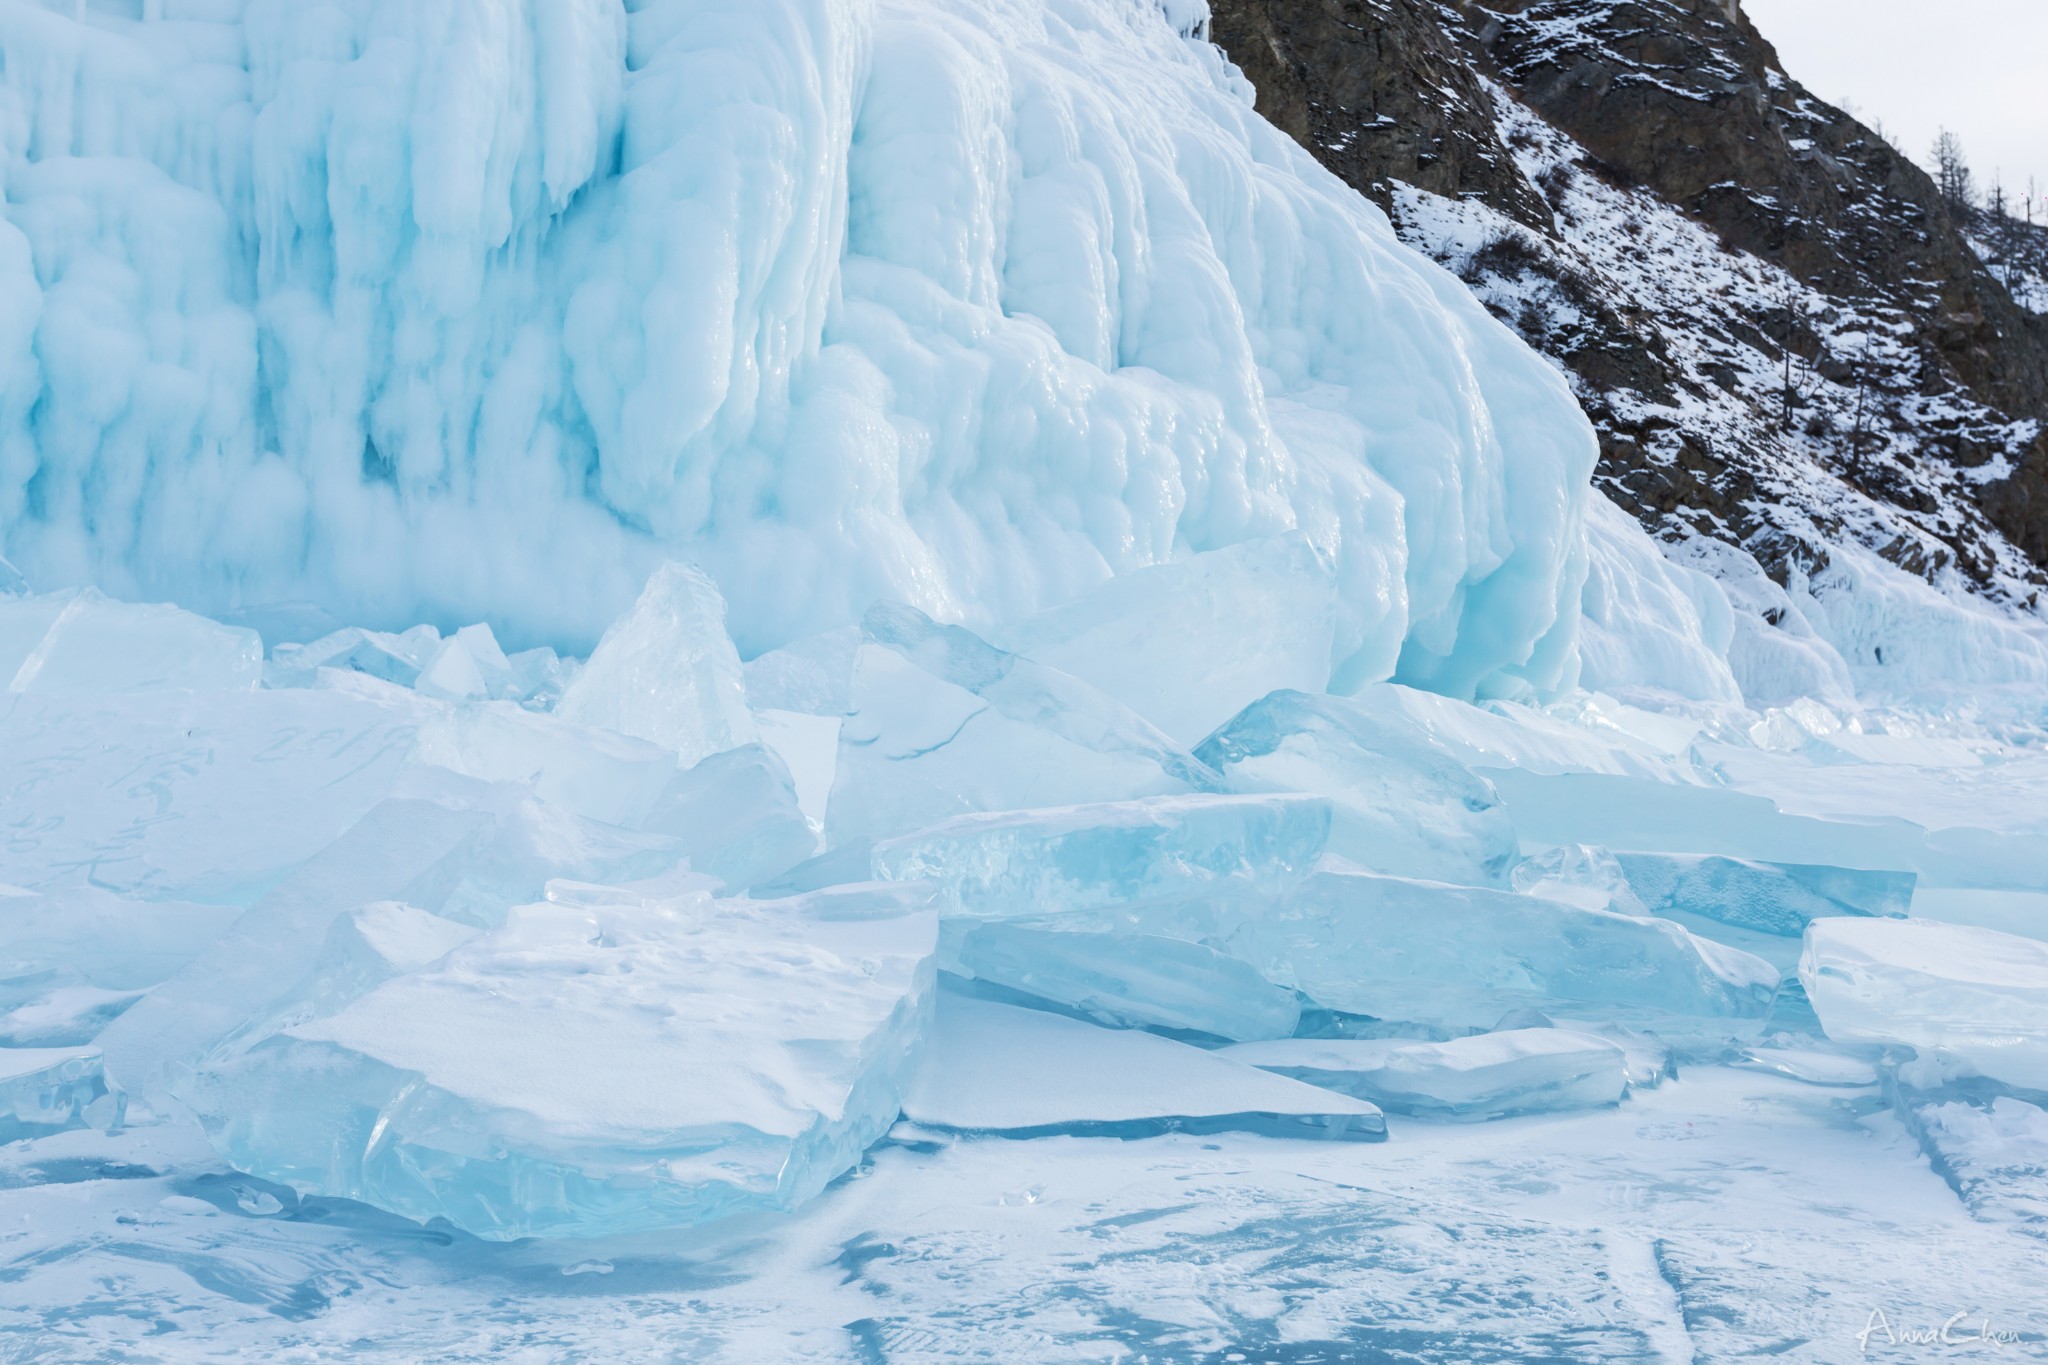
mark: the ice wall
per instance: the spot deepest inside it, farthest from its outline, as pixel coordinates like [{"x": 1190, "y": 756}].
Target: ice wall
[{"x": 460, "y": 309}]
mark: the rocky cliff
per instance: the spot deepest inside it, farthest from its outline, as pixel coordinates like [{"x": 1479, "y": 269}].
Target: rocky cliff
[{"x": 1787, "y": 340}]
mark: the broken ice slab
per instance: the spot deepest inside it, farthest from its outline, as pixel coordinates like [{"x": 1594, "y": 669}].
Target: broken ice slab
[
  {"x": 1771, "y": 898},
  {"x": 666, "y": 671},
  {"x": 943, "y": 724},
  {"x": 207, "y": 796},
  {"x": 1050, "y": 863},
  {"x": 81, "y": 641},
  {"x": 599, "y": 774},
  {"x": 361, "y": 951},
  {"x": 1124, "y": 980},
  {"x": 812, "y": 676},
  {"x": 1994, "y": 1156},
  {"x": 1486, "y": 1076},
  {"x": 1189, "y": 643},
  {"x": 1459, "y": 957},
  {"x": 998, "y": 1069},
  {"x": 1977, "y": 995},
  {"x": 45, "y": 1089},
  {"x": 392, "y": 658},
  {"x": 62, "y": 1016},
  {"x": 1399, "y": 805},
  {"x": 735, "y": 815},
  {"x": 397, "y": 847},
  {"x": 589, "y": 1069}
]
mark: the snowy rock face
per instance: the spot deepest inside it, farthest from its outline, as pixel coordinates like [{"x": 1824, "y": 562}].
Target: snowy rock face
[{"x": 968, "y": 303}]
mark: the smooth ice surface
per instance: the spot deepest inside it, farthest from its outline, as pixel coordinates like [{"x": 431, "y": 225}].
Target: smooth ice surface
[
  {"x": 1974, "y": 994},
  {"x": 667, "y": 672},
  {"x": 596, "y": 773},
  {"x": 1124, "y": 979},
  {"x": 1050, "y": 863},
  {"x": 84, "y": 642},
  {"x": 941, "y": 723},
  {"x": 1188, "y": 644},
  {"x": 1459, "y": 957},
  {"x": 1773, "y": 898},
  {"x": 1486, "y": 1076},
  {"x": 995, "y": 1068},
  {"x": 191, "y": 796},
  {"x": 590, "y": 1068},
  {"x": 969, "y": 303},
  {"x": 1398, "y": 804}
]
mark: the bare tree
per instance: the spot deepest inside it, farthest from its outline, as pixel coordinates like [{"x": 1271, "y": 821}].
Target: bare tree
[{"x": 1952, "y": 173}]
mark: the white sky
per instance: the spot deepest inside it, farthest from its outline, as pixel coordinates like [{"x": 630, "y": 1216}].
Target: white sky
[{"x": 1977, "y": 67}]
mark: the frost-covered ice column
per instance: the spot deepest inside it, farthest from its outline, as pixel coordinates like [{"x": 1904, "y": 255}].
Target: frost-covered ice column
[{"x": 422, "y": 310}]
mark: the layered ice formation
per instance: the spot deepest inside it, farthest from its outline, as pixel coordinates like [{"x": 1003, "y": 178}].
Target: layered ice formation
[
  {"x": 1486, "y": 1076},
  {"x": 995, "y": 1068},
  {"x": 968, "y": 303}
]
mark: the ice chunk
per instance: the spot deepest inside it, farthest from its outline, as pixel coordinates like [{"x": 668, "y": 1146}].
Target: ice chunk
[
  {"x": 1398, "y": 805},
  {"x": 467, "y": 664},
  {"x": 12, "y": 582},
  {"x": 1772, "y": 898},
  {"x": 1125, "y": 980},
  {"x": 943, "y": 723},
  {"x": 1581, "y": 874},
  {"x": 207, "y": 796},
  {"x": 82, "y": 641},
  {"x": 1053, "y": 863},
  {"x": 594, "y": 1069},
  {"x": 1486, "y": 1076},
  {"x": 392, "y": 658},
  {"x": 529, "y": 844},
  {"x": 735, "y": 815},
  {"x": 1020, "y": 1073},
  {"x": 1995, "y": 1157},
  {"x": 812, "y": 676},
  {"x": 276, "y": 941},
  {"x": 599, "y": 774},
  {"x": 1188, "y": 644},
  {"x": 362, "y": 950},
  {"x": 45, "y": 1089},
  {"x": 666, "y": 671},
  {"x": 1974, "y": 994},
  {"x": 1458, "y": 957}
]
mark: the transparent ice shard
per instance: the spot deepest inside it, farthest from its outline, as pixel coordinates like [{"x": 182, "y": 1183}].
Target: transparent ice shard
[
  {"x": 942, "y": 723},
  {"x": 392, "y": 658},
  {"x": 1127, "y": 980},
  {"x": 1021, "y": 1073},
  {"x": 812, "y": 676},
  {"x": 1486, "y": 1076},
  {"x": 46, "y": 1089},
  {"x": 597, "y": 773},
  {"x": 1398, "y": 805},
  {"x": 81, "y": 641},
  {"x": 666, "y": 671},
  {"x": 1977, "y": 995},
  {"x": 594, "y": 1068},
  {"x": 735, "y": 815}
]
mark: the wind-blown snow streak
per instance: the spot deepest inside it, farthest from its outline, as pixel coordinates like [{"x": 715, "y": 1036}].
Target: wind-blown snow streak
[{"x": 449, "y": 309}]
